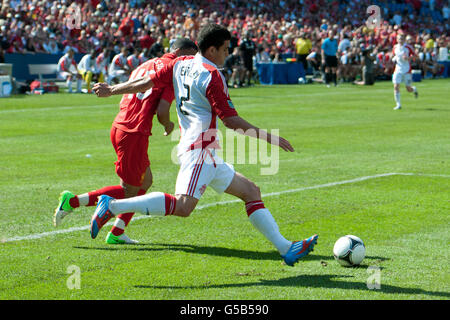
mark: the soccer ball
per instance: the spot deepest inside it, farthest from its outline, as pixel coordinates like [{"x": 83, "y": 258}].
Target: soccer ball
[
  {"x": 301, "y": 80},
  {"x": 349, "y": 251}
]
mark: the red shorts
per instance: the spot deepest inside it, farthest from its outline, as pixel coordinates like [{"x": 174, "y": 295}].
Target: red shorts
[{"x": 132, "y": 157}]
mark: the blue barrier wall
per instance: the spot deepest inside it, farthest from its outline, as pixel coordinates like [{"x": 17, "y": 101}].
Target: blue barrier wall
[{"x": 20, "y": 63}]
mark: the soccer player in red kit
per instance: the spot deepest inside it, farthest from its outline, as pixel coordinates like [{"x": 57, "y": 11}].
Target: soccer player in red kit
[
  {"x": 129, "y": 135},
  {"x": 202, "y": 98}
]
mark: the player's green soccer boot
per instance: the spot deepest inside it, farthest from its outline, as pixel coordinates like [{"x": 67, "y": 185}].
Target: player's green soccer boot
[
  {"x": 122, "y": 239},
  {"x": 63, "y": 208}
]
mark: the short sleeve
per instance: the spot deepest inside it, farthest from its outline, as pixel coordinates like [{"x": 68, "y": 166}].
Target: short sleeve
[
  {"x": 218, "y": 99},
  {"x": 163, "y": 77}
]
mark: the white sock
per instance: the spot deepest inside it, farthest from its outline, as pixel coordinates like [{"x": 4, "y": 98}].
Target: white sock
[
  {"x": 397, "y": 97},
  {"x": 79, "y": 85},
  {"x": 69, "y": 85},
  {"x": 119, "y": 223},
  {"x": 414, "y": 89},
  {"x": 83, "y": 199},
  {"x": 262, "y": 220},
  {"x": 153, "y": 203}
]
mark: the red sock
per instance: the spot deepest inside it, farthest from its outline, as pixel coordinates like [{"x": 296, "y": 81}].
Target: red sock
[
  {"x": 126, "y": 218},
  {"x": 171, "y": 202},
  {"x": 116, "y": 192},
  {"x": 74, "y": 203},
  {"x": 252, "y": 206}
]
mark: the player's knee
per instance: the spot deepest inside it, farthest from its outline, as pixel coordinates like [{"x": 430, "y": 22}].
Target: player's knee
[
  {"x": 252, "y": 192},
  {"x": 130, "y": 191},
  {"x": 184, "y": 207},
  {"x": 148, "y": 181}
]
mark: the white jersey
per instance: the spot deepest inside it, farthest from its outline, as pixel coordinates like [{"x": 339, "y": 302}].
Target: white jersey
[
  {"x": 65, "y": 64},
  {"x": 101, "y": 63},
  {"x": 118, "y": 62},
  {"x": 87, "y": 63},
  {"x": 201, "y": 96},
  {"x": 401, "y": 54}
]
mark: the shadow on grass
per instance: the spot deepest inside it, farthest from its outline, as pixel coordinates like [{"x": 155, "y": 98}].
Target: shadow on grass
[
  {"x": 308, "y": 281},
  {"x": 213, "y": 251}
]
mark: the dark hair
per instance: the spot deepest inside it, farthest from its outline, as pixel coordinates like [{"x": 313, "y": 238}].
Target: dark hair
[
  {"x": 212, "y": 35},
  {"x": 183, "y": 44}
]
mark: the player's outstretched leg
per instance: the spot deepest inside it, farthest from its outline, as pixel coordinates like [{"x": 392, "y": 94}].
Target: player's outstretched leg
[
  {"x": 69, "y": 201},
  {"x": 261, "y": 218},
  {"x": 154, "y": 203}
]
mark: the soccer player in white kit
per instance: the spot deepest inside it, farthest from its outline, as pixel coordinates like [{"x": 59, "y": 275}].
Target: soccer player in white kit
[
  {"x": 119, "y": 69},
  {"x": 201, "y": 96},
  {"x": 402, "y": 73},
  {"x": 68, "y": 70}
]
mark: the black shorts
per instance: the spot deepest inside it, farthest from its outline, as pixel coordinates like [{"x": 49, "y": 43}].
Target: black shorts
[
  {"x": 331, "y": 61},
  {"x": 248, "y": 64}
]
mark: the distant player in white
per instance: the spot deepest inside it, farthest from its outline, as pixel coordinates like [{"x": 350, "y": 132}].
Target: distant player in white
[
  {"x": 201, "y": 97},
  {"x": 102, "y": 65},
  {"x": 67, "y": 70},
  {"x": 134, "y": 60},
  {"x": 403, "y": 53},
  {"x": 119, "y": 70}
]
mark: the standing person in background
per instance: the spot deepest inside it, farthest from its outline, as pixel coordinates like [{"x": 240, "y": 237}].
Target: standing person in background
[
  {"x": 248, "y": 50},
  {"x": 303, "y": 48},
  {"x": 329, "y": 58},
  {"x": 402, "y": 73}
]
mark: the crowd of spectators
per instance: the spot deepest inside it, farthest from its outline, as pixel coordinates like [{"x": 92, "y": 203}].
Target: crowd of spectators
[{"x": 275, "y": 27}]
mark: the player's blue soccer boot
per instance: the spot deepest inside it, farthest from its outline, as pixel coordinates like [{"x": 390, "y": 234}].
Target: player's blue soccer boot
[
  {"x": 101, "y": 215},
  {"x": 300, "y": 249}
]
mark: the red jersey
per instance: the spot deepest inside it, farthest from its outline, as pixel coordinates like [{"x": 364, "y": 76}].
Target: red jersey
[{"x": 137, "y": 110}]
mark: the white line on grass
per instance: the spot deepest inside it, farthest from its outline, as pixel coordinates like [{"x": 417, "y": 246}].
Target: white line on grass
[{"x": 208, "y": 205}]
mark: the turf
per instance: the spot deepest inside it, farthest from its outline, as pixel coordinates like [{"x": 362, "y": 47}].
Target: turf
[{"x": 339, "y": 134}]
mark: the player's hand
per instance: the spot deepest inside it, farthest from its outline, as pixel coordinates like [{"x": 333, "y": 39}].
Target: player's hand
[
  {"x": 169, "y": 128},
  {"x": 282, "y": 143},
  {"x": 102, "y": 89}
]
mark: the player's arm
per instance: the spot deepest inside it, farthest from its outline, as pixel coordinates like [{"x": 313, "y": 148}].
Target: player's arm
[
  {"x": 131, "y": 86},
  {"x": 163, "y": 115},
  {"x": 243, "y": 127}
]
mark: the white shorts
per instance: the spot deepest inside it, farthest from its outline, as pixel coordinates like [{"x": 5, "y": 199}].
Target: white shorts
[
  {"x": 120, "y": 74},
  {"x": 398, "y": 77},
  {"x": 63, "y": 75},
  {"x": 200, "y": 168}
]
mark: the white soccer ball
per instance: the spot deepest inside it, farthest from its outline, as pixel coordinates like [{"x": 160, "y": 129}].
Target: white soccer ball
[
  {"x": 349, "y": 251},
  {"x": 301, "y": 80}
]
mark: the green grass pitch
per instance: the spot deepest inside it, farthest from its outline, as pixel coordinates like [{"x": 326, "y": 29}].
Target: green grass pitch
[{"x": 340, "y": 134}]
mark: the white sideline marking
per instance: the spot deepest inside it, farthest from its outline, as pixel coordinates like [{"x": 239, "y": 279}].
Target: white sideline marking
[{"x": 208, "y": 205}]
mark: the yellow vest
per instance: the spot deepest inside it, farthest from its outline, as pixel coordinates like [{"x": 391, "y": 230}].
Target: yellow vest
[{"x": 303, "y": 46}]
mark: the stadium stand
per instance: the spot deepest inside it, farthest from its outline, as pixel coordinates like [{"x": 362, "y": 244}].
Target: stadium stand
[{"x": 50, "y": 27}]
